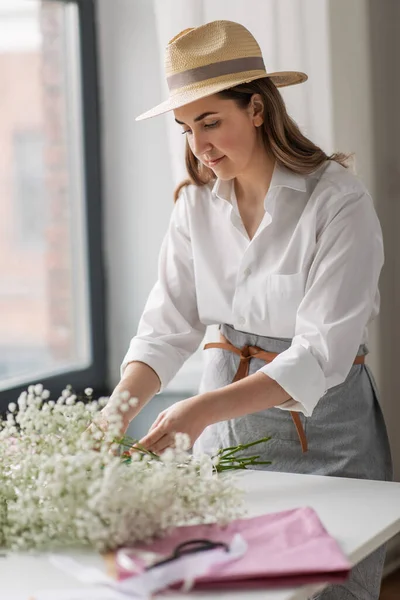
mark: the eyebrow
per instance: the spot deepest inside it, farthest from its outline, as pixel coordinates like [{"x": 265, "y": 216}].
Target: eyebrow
[{"x": 199, "y": 118}]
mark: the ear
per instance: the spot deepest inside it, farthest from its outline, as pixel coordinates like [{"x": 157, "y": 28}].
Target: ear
[{"x": 256, "y": 107}]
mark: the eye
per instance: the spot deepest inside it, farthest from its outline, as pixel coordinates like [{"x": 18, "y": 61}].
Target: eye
[
  {"x": 206, "y": 126},
  {"x": 215, "y": 124}
]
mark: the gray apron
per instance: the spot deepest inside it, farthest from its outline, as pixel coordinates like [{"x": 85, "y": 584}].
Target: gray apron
[{"x": 346, "y": 437}]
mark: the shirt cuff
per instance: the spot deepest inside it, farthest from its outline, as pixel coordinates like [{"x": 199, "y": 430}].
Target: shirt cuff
[
  {"x": 156, "y": 356},
  {"x": 298, "y": 372}
]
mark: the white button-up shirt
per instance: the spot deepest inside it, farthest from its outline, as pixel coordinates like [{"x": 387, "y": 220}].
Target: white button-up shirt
[{"x": 310, "y": 273}]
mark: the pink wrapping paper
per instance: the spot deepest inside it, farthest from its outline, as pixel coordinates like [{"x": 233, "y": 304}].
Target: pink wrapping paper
[{"x": 284, "y": 549}]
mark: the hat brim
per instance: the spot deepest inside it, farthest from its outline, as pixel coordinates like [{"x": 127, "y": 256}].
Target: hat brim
[{"x": 280, "y": 79}]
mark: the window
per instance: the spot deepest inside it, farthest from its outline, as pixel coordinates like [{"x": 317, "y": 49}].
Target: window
[
  {"x": 51, "y": 275},
  {"x": 29, "y": 199}
]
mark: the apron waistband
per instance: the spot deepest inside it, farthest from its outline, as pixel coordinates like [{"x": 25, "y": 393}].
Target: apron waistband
[{"x": 246, "y": 353}]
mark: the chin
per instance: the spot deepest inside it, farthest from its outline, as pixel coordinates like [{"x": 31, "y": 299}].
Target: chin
[{"x": 223, "y": 176}]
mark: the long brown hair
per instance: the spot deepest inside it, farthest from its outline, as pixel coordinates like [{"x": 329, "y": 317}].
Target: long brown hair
[{"x": 281, "y": 136}]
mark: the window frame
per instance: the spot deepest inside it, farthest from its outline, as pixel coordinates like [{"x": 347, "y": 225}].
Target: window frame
[{"x": 95, "y": 376}]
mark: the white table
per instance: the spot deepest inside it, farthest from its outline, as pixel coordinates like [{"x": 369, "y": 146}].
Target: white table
[{"x": 360, "y": 514}]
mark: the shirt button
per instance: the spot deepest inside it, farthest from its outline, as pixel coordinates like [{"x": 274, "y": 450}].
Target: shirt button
[
  {"x": 247, "y": 272},
  {"x": 241, "y": 320}
]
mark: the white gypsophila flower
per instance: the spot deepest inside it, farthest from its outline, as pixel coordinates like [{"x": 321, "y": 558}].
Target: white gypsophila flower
[
  {"x": 88, "y": 391},
  {"x": 60, "y": 486},
  {"x": 182, "y": 441}
]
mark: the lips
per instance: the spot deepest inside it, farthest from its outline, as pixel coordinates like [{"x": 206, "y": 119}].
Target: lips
[{"x": 212, "y": 163}]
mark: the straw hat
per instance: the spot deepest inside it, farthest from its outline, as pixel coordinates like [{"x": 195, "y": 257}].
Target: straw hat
[{"x": 204, "y": 60}]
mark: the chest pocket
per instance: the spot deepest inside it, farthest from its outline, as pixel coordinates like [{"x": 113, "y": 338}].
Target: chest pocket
[{"x": 283, "y": 295}]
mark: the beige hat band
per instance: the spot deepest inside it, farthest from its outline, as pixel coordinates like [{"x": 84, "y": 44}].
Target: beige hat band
[{"x": 218, "y": 69}]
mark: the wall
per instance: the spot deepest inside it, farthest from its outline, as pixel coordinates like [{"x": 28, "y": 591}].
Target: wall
[
  {"x": 366, "y": 84},
  {"x": 385, "y": 78},
  {"x": 137, "y": 191},
  {"x": 366, "y": 96}
]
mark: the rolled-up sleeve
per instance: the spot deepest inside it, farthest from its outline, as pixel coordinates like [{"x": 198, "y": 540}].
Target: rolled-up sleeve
[
  {"x": 169, "y": 330},
  {"x": 340, "y": 296}
]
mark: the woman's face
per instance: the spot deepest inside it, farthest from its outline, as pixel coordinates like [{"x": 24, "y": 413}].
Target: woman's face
[{"x": 220, "y": 134}]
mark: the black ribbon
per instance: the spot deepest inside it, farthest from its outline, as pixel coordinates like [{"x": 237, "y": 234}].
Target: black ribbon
[{"x": 190, "y": 547}]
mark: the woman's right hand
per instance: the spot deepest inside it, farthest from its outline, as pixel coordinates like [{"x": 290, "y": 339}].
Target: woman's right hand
[
  {"x": 110, "y": 415},
  {"x": 138, "y": 385}
]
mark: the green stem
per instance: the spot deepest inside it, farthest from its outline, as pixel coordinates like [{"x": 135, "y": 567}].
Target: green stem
[
  {"x": 231, "y": 468},
  {"x": 128, "y": 442},
  {"x": 240, "y": 466},
  {"x": 246, "y": 458},
  {"x": 227, "y": 457},
  {"x": 260, "y": 441},
  {"x": 234, "y": 449},
  {"x": 149, "y": 452}
]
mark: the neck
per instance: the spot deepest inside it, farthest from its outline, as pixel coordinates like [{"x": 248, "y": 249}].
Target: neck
[{"x": 253, "y": 183}]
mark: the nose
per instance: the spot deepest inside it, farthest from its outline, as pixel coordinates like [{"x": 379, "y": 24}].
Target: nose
[{"x": 199, "y": 144}]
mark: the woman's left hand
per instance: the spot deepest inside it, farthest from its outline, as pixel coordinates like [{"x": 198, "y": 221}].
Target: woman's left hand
[{"x": 186, "y": 416}]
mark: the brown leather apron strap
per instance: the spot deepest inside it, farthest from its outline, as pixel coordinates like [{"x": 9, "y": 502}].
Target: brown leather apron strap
[
  {"x": 246, "y": 354},
  {"x": 359, "y": 360}
]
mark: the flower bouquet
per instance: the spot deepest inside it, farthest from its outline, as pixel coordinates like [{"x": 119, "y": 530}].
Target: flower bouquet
[{"x": 63, "y": 484}]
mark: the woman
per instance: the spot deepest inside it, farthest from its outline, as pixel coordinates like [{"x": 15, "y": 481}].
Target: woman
[{"x": 280, "y": 245}]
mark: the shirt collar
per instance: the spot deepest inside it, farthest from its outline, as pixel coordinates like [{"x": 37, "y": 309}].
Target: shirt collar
[
  {"x": 284, "y": 177},
  {"x": 281, "y": 177},
  {"x": 223, "y": 189}
]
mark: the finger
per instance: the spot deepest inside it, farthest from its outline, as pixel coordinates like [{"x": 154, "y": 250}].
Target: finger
[
  {"x": 166, "y": 442},
  {"x": 152, "y": 438},
  {"x": 157, "y": 421},
  {"x": 161, "y": 452}
]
